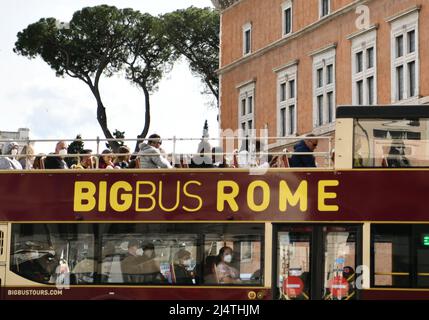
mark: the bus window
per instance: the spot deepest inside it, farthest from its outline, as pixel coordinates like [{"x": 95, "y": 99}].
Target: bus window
[
  {"x": 340, "y": 263},
  {"x": 422, "y": 246},
  {"x": 293, "y": 263},
  {"x": 394, "y": 143},
  {"x": 149, "y": 254},
  {"x": 54, "y": 253},
  {"x": 233, "y": 254},
  {"x": 391, "y": 252}
]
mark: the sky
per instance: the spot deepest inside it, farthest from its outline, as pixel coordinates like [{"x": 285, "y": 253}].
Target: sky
[{"x": 31, "y": 96}]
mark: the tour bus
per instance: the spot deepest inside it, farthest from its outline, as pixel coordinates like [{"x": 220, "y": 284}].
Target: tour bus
[{"x": 359, "y": 230}]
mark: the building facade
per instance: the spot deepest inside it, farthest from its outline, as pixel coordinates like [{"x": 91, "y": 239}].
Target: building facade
[
  {"x": 285, "y": 65},
  {"x": 17, "y": 136}
]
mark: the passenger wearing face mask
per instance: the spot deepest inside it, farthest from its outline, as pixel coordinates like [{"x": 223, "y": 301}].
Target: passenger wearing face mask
[
  {"x": 57, "y": 162},
  {"x": 10, "y": 149},
  {"x": 182, "y": 262},
  {"x": 225, "y": 272}
]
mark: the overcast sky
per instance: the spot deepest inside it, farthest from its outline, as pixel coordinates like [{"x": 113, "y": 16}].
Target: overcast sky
[{"x": 31, "y": 96}]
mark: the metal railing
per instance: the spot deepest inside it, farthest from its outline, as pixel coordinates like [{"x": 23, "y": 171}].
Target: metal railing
[{"x": 177, "y": 158}]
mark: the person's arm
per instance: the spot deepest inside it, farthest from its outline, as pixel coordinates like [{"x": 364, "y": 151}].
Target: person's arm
[{"x": 161, "y": 162}]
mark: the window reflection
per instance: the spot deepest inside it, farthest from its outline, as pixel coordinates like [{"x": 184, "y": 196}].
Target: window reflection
[
  {"x": 340, "y": 263},
  {"x": 293, "y": 267},
  {"x": 120, "y": 253},
  {"x": 391, "y": 143}
]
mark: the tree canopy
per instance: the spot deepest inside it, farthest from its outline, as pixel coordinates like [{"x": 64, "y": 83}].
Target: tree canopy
[
  {"x": 194, "y": 33},
  {"x": 104, "y": 40}
]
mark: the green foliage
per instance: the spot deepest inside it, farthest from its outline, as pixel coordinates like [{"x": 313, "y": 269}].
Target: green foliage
[
  {"x": 118, "y": 135},
  {"x": 194, "y": 33},
  {"x": 76, "y": 147}
]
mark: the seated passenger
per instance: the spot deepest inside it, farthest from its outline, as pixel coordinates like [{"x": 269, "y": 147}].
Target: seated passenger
[
  {"x": 224, "y": 271},
  {"x": 57, "y": 162},
  {"x": 396, "y": 157},
  {"x": 123, "y": 160},
  {"x": 105, "y": 161},
  {"x": 182, "y": 262},
  {"x": 304, "y": 160},
  {"x": 10, "y": 162},
  {"x": 150, "y": 155}
]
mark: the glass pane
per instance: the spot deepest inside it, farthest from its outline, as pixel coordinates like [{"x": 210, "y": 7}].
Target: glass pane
[
  {"x": 325, "y": 7},
  {"x": 422, "y": 256},
  {"x": 149, "y": 254},
  {"x": 391, "y": 143},
  {"x": 370, "y": 84},
  {"x": 412, "y": 79},
  {"x": 411, "y": 35},
  {"x": 391, "y": 245},
  {"x": 250, "y": 104},
  {"x": 330, "y": 74},
  {"x": 291, "y": 119},
  {"x": 399, "y": 46},
  {"x": 330, "y": 96},
  {"x": 291, "y": 89},
  {"x": 288, "y": 20},
  {"x": 282, "y": 91},
  {"x": 60, "y": 254},
  {"x": 293, "y": 267},
  {"x": 250, "y": 124},
  {"x": 247, "y": 41},
  {"x": 400, "y": 83},
  {"x": 359, "y": 62},
  {"x": 243, "y": 107},
  {"x": 320, "y": 110},
  {"x": 283, "y": 122},
  {"x": 320, "y": 77},
  {"x": 359, "y": 88},
  {"x": 340, "y": 263},
  {"x": 233, "y": 254},
  {"x": 370, "y": 57}
]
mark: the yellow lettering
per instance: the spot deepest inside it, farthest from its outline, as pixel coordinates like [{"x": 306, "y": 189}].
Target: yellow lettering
[
  {"x": 185, "y": 191},
  {"x": 84, "y": 191},
  {"x": 286, "y": 196},
  {"x": 147, "y": 196},
  {"x": 102, "y": 196},
  {"x": 177, "y": 198},
  {"x": 223, "y": 197},
  {"x": 321, "y": 206},
  {"x": 265, "y": 196},
  {"x": 126, "y": 198}
]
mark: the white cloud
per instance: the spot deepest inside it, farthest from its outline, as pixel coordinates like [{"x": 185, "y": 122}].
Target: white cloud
[{"x": 32, "y": 96}]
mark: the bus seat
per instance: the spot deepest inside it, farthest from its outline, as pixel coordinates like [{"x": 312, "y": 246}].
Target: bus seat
[
  {"x": 384, "y": 163},
  {"x": 285, "y": 158},
  {"x": 173, "y": 273}
]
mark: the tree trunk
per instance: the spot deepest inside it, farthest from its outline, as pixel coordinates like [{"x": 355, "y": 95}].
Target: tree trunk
[
  {"x": 102, "y": 120},
  {"x": 145, "y": 131}
]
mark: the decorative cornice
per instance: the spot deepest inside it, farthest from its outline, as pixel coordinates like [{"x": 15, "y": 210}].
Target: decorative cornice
[
  {"x": 293, "y": 36},
  {"x": 404, "y": 13},
  {"x": 324, "y": 49},
  {"x": 224, "y": 4},
  {"x": 287, "y": 65},
  {"x": 245, "y": 83},
  {"x": 361, "y": 32}
]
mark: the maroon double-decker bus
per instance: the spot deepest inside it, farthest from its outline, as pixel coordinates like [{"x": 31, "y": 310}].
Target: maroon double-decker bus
[{"x": 358, "y": 231}]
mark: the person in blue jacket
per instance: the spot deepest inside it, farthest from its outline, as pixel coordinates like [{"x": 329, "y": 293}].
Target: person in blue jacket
[{"x": 307, "y": 145}]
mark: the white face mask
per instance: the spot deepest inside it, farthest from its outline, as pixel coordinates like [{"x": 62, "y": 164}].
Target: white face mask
[
  {"x": 187, "y": 262},
  {"x": 148, "y": 253},
  {"x": 14, "y": 152},
  {"x": 228, "y": 258},
  {"x": 62, "y": 152},
  {"x": 139, "y": 252}
]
